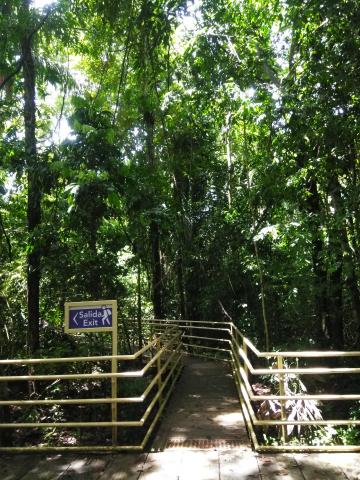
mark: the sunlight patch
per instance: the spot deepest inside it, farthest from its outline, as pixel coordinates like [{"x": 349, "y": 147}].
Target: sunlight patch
[
  {"x": 229, "y": 419},
  {"x": 42, "y": 3}
]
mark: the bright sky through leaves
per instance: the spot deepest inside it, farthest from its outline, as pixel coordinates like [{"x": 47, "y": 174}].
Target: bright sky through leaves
[{"x": 42, "y": 3}]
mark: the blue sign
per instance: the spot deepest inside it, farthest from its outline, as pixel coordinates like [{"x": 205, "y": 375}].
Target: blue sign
[{"x": 91, "y": 317}]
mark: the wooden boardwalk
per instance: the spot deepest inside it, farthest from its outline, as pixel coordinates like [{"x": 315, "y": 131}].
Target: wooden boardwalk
[
  {"x": 204, "y": 411},
  {"x": 202, "y": 437}
]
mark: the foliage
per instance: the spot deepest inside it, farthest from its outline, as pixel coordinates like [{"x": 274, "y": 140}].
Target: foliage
[
  {"x": 294, "y": 409},
  {"x": 191, "y": 160},
  {"x": 351, "y": 435}
]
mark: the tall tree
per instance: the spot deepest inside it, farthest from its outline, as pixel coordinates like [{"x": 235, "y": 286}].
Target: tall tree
[{"x": 34, "y": 182}]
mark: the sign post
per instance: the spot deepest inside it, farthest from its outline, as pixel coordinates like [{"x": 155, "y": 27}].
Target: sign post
[{"x": 97, "y": 316}]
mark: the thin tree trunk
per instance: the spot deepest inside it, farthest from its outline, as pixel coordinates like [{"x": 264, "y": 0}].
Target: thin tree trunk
[
  {"x": 320, "y": 288},
  {"x": 139, "y": 317},
  {"x": 183, "y": 237},
  {"x": 228, "y": 158},
  {"x": 261, "y": 276},
  {"x": 93, "y": 282},
  {"x": 352, "y": 285},
  {"x": 337, "y": 245},
  {"x": 157, "y": 280},
  {"x": 5, "y": 434},
  {"x": 313, "y": 206},
  {"x": 263, "y": 300},
  {"x": 335, "y": 317},
  {"x": 180, "y": 285},
  {"x": 34, "y": 191},
  {"x": 156, "y": 270}
]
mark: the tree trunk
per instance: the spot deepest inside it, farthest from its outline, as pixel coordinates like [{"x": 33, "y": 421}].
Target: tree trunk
[
  {"x": 335, "y": 317},
  {"x": 263, "y": 300},
  {"x": 157, "y": 280},
  {"x": 183, "y": 237},
  {"x": 352, "y": 285},
  {"x": 313, "y": 206},
  {"x": 138, "y": 314},
  {"x": 180, "y": 286},
  {"x": 156, "y": 270},
  {"x": 5, "y": 434},
  {"x": 227, "y": 138},
  {"x": 34, "y": 192},
  {"x": 93, "y": 282}
]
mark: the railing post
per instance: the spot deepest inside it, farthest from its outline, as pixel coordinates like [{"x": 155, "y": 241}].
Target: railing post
[
  {"x": 190, "y": 333},
  {"x": 245, "y": 350},
  {"x": 114, "y": 369},
  {"x": 158, "y": 363},
  {"x": 280, "y": 365},
  {"x": 232, "y": 342}
]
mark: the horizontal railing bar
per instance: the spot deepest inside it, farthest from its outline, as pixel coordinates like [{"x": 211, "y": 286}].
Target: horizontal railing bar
[
  {"x": 97, "y": 376},
  {"x": 238, "y": 357},
  {"x": 76, "y": 401},
  {"x": 88, "y": 448},
  {"x": 323, "y": 397},
  {"x": 307, "y": 422},
  {"x": 138, "y": 423},
  {"x": 308, "y": 448},
  {"x": 158, "y": 393},
  {"x": 208, "y": 338},
  {"x": 157, "y": 355},
  {"x": 35, "y": 361},
  {"x": 302, "y": 371},
  {"x": 163, "y": 321},
  {"x": 252, "y": 420},
  {"x": 311, "y": 354},
  {"x": 71, "y": 424},
  {"x": 247, "y": 402},
  {"x": 158, "y": 414},
  {"x": 258, "y": 398},
  {"x": 220, "y": 329},
  {"x": 207, "y": 348},
  {"x": 295, "y": 354},
  {"x": 202, "y": 355},
  {"x": 245, "y": 358},
  {"x": 73, "y": 376},
  {"x": 244, "y": 408},
  {"x": 158, "y": 375}
]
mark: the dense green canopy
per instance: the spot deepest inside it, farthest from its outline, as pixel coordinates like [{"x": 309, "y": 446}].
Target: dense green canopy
[{"x": 191, "y": 159}]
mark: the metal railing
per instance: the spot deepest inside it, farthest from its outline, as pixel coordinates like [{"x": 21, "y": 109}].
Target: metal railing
[
  {"x": 161, "y": 361},
  {"x": 204, "y": 337}
]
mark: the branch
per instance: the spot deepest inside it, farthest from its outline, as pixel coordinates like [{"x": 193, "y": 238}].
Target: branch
[
  {"x": 267, "y": 69},
  {"x": 6, "y": 236},
  {"x": 265, "y": 66},
  {"x": 123, "y": 72},
  {"x": 41, "y": 23},
  {"x": 63, "y": 99},
  {"x": 13, "y": 73},
  {"x": 20, "y": 62},
  {"x": 224, "y": 311}
]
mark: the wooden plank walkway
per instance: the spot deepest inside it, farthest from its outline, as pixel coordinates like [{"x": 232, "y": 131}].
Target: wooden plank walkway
[
  {"x": 204, "y": 411},
  {"x": 183, "y": 464},
  {"x": 202, "y": 437}
]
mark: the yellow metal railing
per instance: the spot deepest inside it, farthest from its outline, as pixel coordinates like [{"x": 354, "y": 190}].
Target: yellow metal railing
[
  {"x": 204, "y": 337},
  {"x": 161, "y": 362},
  {"x": 163, "y": 365}
]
